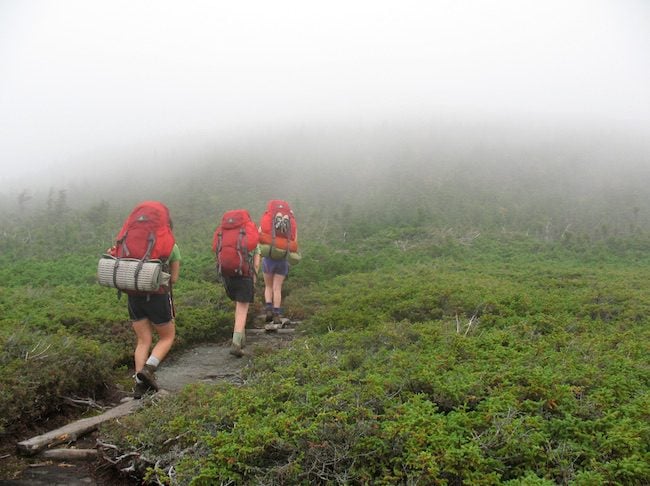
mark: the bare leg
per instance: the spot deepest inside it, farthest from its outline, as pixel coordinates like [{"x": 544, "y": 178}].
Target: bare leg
[
  {"x": 278, "y": 280},
  {"x": 144, "y": 338},
  {"x": 268, "y": 287},
  {"x": 241, "y": 311},
  {"x": 143, "y": 331},
  {"x": 166, "y": 335}
]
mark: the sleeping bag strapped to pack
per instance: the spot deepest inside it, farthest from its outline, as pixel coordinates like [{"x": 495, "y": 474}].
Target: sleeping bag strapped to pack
[
  {"x": 137, "y": 261},
  {"x": 279, "y": 230},
  {"x": 233, "y": 241}
]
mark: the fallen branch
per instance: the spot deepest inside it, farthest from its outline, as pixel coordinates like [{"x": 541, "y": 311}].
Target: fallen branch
[
  {"x": 70, "y": 454},
  {"x": 71, "y": 432}
]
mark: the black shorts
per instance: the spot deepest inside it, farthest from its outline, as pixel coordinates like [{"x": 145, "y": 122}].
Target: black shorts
[
  {"x": 157, "y": 308},
  {"x": 239, "y": 289}
]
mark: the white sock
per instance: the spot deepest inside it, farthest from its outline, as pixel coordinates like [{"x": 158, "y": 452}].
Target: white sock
[{"x": 153, "y": 361}]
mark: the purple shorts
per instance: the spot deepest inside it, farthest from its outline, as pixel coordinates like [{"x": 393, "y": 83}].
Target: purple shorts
[{"x": 279, "y": 267}]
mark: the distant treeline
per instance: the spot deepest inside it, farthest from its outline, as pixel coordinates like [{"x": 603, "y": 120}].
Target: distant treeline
[{"x": 547, "y": 183}]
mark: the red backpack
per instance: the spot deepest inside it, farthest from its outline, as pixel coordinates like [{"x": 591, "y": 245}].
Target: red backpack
[
  {"x": 278, "y": 225},
  {"x": 146, "y": 233},
  {"x": 233, "y": 241}
]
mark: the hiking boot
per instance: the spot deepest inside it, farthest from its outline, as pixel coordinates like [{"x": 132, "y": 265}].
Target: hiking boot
[
  {"x": 148, "y": 376},
  {"x": 140, "y": 390},
  {"x": 268, "y": 317},
  {"x": 277, "y": 320},
  {"x": 235, "y": 350}
]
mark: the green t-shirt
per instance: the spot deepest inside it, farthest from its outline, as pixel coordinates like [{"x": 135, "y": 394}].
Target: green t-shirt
[{"x": 175, "y": 255}]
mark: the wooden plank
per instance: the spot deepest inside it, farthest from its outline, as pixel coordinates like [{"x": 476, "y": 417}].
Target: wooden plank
[{"x": 71, "y": 432}]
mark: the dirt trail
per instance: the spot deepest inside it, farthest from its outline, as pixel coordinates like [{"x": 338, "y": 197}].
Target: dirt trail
[
  {"x": 206, "y": 363},
  {"x": 210, "y": 363}
]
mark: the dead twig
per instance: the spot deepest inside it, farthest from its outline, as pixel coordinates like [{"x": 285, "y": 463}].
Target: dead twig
[
  {"x": 472, "y": 320},
  {"x": 105, "y": 445},
  {"x": 40, "y": 354},
  {"x": 156, "y": 469},
  {"x": 121, "y": 458},
  {"x": 83, "y": 402},
  {"x": 173, "y": 439}
]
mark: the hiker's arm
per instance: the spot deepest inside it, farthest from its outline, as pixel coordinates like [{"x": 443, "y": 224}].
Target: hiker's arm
[
  {"x": 174, "y": 270},
  {"x": 256, "y": 262}
]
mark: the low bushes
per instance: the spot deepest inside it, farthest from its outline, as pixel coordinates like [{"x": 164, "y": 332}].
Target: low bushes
[
  {"x": 405, "y": 403},
  {"x": 40, "y": 370},
  {"x": 499, "y": 370}
]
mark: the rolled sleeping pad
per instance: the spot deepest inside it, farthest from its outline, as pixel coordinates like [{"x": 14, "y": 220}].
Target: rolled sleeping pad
[
  {"x": 294, "y": 257},
  {"x": 150, "y": 276}
]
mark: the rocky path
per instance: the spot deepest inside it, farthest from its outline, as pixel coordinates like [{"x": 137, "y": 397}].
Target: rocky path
[
  {"x": 213, "y": 363},
  {"x": 206, "y": 363}
]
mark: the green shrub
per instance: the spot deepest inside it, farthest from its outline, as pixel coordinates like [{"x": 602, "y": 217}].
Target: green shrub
[{"x": 41, "y": 370}]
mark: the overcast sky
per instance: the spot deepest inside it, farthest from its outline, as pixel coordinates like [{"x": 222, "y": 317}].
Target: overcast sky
[{"x": 84, "y": 75}]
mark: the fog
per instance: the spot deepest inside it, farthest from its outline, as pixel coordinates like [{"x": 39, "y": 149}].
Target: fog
[{"x": 90, "y": 88}]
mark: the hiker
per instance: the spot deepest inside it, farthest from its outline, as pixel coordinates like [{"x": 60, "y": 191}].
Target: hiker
[
  {"x": 275, "y": 272},
  {"x": 279, "y": 235},
  {"x": 147, "y": 236},
  {"x": 235, "y": 245},
  {"x": 149, "y": 313}
]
